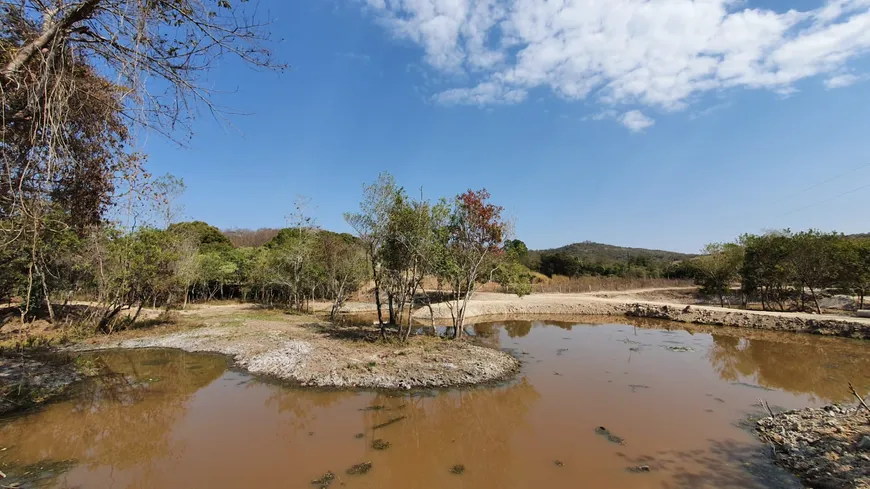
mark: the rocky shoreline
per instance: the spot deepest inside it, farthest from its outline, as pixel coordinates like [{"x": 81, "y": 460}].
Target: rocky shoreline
[
  {"x": 490, "y": 304},
  {"x": 827, "y": 448},
  {"x": 303, "y": 355}
]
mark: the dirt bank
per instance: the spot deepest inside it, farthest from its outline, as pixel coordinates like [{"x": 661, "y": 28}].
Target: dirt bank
[
  {"x": 26, "y": 381},
  {"x": 327, "y": 356},
  {"x": 826, "y": 448},
  {"x": 489, "y": 304}
]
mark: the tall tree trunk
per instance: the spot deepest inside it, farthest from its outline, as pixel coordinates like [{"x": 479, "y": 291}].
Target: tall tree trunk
[
  {"x": 390, "y": 308},
  {"x": 457, "y": 313},
  {"x": 46, "y": 296},
  {"x": 815, "y": 300},
  {"x": 378, "y": 306},
  {"x": 138, "y": 310},
  {"x": 50, "y": 31}
]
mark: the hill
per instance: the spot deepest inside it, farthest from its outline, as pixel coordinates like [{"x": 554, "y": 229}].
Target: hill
[{"x": 589, "y": 251}]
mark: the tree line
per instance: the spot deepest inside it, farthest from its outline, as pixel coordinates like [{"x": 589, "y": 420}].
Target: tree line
[
  {"x": 79, "y": 80},
  {"x": 784, "y": 270},
  {"x": 637, "y": 266},
  {"x": 399, "y": 241},
  {"x": 81, "y": 218}
]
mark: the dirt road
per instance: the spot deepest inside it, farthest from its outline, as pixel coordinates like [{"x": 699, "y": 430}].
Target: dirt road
[{"x": 627, "y": 303}]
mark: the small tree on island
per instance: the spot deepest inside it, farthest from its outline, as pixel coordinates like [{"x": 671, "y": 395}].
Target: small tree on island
[
  {"x": 470, "y": 252},
  {"x": 371, "y": 224}
]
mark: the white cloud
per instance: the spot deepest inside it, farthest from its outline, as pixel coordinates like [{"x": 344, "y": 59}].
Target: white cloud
[
  {"x": 661, "y": 54},
  {"x": 709, "y": 110},
  {"x": 635, "y": 121},
  {"x": 483, "y": 94},
  {"x": 844, "y": 80}
]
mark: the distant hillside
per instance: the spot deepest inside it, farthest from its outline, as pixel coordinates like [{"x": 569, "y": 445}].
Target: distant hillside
[
  {"x": 250, "y": 237},
  {"x": 598, "y": 252}
]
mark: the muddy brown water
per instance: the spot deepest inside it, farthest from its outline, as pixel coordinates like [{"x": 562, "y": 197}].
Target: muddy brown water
[{"x": 169, "y": 419}]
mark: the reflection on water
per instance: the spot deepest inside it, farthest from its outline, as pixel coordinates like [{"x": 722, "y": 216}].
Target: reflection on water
[
  {"x": 821, "y": 369},
  {"x": 166, "y": 419}
]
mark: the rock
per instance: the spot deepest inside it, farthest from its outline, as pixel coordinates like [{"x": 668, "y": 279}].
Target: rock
[
  {"x": 325, "y": 480},
  {"x": 610, "y": 436},
  {"x": 380, "y": 444},
  {"x": 359, "y": 469},
  {"x": 819, "y": 445},
  {"x": 639, "y": 468}
]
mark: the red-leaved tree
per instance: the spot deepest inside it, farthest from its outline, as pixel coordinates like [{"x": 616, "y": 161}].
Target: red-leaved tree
[{"x": 471, "y": 247}]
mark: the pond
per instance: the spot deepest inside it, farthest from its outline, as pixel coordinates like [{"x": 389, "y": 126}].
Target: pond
[{"x": 670, "y": 400}]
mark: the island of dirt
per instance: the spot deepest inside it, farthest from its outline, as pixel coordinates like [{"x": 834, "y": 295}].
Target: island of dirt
[
  {"x": 826, "y": 448},
  {"x": 484, "y": 305},
  {"x": 323, "y": 355}
]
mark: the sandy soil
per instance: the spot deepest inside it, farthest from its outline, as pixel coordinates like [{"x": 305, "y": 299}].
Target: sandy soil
[
  {"x": 826, "y": 448},
  {"x": 298, "y": 349},
  {"x": 628, "y": 303}
]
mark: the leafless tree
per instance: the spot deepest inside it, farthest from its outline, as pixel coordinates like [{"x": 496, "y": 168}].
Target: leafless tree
[{"x": 76, "y": 78}]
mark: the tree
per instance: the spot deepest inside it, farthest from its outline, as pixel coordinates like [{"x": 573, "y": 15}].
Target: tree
[
  {"x": 471, "y": 245},
  {"x": 76, "y": 77},
  {"x": 514, "y": 277},
  {"x": 814, "y": 260},
  {"x": 345, "y": 267},
  {"x": 290, "y": 256},
  {"x": 512, "y": 273},
  {"x": 207, "y": 237},
  {"x": 518, "y": 251},
  {"x": 717, "y": 268},
  {"x": 158, "y": 51},
  {"x": 371, "y": 224},
  {"x": 559, "y": 264},
  {"x": 409, "y": 251},
  {"x": 168, "y": 189},
  {"x": 766, "y": 270},
  {"x": 186, "y": 266},
  {"x": 132, "y": 268},
  {"x": 854, "y": 267}
]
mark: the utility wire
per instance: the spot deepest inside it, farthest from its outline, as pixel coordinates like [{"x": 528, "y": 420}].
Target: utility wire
[
  {"x": 819, "y": 184},
  {"x": 826, "y": 200}
]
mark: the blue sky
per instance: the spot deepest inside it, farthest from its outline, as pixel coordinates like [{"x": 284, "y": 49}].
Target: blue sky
[{"x": 667, "y": 126}]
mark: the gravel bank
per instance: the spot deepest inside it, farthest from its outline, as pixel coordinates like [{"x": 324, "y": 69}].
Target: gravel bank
[
  {"x": 312, "y": 357},
  {"x": 826, "y": 448},
  {"x": 488, "y": 304}
]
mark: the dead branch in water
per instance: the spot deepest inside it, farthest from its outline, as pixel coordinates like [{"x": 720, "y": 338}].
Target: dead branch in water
[
  {"x": 860, "y": 399},
  {"x": 388, "y": 423},
  {"x": 766, "y": 406}
]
